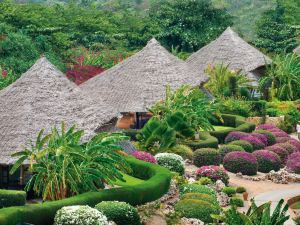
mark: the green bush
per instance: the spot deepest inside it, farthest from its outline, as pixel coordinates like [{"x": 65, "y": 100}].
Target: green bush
[
  {"x": 184, "y": 151},
  {"x": 206, "y": 157},
  {"x": 244, "y": 144},
  {"x": 229, "y": 190},
  {"x": 271, "y": 138},
  {"x": 204, "y": 197},
  {"x": 206, "y": 141},
  {"x": 259, "y": 108},
  {"x": 236, "y": 201},
  {"x": 272, "y": 112},
  {"x": 157, "y": 182},
  {"x": 205, "y": 181},
  {"x": 119, "y": 212},
  {"x": 196, "y": 188},
  {"x": 224, "y": 149},
  {"x": 198, "y": 209},
  {"x": 171, "y": 161},
  {"x": 240, "y": 190},
  {"x": 132, "y": 133},
  {"x": 12, "y": 198}
]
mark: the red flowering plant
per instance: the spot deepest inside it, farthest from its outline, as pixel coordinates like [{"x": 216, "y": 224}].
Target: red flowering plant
[
  {"x": 214, "y": 173},
  {"x": 144, "y": 156},
  {"x": 7, "y": 77}
]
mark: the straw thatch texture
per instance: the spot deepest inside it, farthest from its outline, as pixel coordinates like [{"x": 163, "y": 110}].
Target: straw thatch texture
[
  {"x": 297, "y": 50},
  {"x": 138, "y": 82},
  {"x": 229, "y": 48},
  {"x": 41, "y": 98}
]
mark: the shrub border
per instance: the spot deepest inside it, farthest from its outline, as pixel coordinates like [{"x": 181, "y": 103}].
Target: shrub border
[{"x": 156, "y": 185}]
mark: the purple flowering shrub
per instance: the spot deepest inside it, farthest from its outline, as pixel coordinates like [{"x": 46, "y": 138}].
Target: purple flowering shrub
[
  {"x": 266, "y": 127},
  {"x": 254, "y": 141},
  {"x": 280, "y": 134},
  {"x": 214, "y": 173},
  {"x": 144, "y": 156},
  {"x": 267, "y": 161},
  {"x": 270, "y": 137},
  {"x": 288, "y": 147},
  {"x": 243, "y": 162},
  {"x": 261, "y": 137},
  {"x": 295, "y": 143},
  {"x": 293, "y": 162},
  {"x": 282, "y": 139},
  {"x": 281, "y": 152},
  {"x": 234, "y": 136}
]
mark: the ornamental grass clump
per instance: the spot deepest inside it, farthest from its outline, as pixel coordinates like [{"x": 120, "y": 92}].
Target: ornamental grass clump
[
  {"x": 214, "y": 173},
  {"x": 293, "y": 162},
  {"x": 83, "y": 215},
  {"x": 206, "y": 157},
  {"x": 144, "y": 156},
  {"x": 235, "y": 135},
  {"x": 294, "y": 143},
  {"x": 240, "y": 162},
  {"x": 281, "y": 152},
  {"x": 171, "y": 161},
  {"x": 267, "y": 161},
  {"x": 244, "y": 144},
  {"x": 270, "y": 137},
  {"x": 224, "y": 149},
  {"x": 256, "y": 143}
]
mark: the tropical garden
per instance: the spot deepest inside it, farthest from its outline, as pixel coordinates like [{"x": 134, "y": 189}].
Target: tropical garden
[{"x": 197, "y": 160}]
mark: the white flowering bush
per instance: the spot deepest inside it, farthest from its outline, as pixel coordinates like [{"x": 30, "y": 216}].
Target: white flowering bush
[
  {"x": 171, "y": 161},
  {"x": 79, "y": 215}
]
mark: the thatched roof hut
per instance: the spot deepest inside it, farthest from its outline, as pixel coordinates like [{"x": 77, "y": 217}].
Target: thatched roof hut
[
  {"x": 139, "y": 81},
  {"x": 231, "y": 49},
  {"x": 297, "y": 50},
  {"x": 41, "y": 98}
]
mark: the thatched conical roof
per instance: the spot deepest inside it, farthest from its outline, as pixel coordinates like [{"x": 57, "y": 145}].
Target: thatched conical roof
[
  {"x": 41, "y": 98},
  {"x": 231, "y": 49},
  {"x": 139, "y": 81},
  {"x": 297, "y": 50}
]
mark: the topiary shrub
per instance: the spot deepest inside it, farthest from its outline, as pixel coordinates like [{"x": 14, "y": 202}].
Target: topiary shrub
[
  {"x": 206, "y": 156},
  {"x": 196, "y": 188},
  {"x": 267, "y": 161},
  {"x": 214, "y": 173},
  {"x": 234, "y": 136},
  {"x": 144, "y": 156},
  {"x": 261, "y": 137},
  {"x": 204, "y": 197},
  {"x": 281, "y": 152},
  {"x": 83, "y": 215},
  {"x": 282, "y": 139},
  {"x": 197, "y": 209},
  {"x": 256, "y": 143},
  {"x": 119, "y": 212},
  {"x": 183, "y": 150},
  {"x": 280, "y": 134},
  {"x": 288, "y": 147},
  {"x": 295, "y": 143},
  {"x": 229, "y": 190},
  {"x": 224, "y": 149},
  {"x": 242, "y": 162},
  {"x": 244, "y": 144},
  {"x": 293, "y": 162},
  {"x": 270, "y": 137},
  {"x": 236, "y": 201},
  {"x": 12, "y": 198},
  {"x": 240, "y": 190},
  {"x": 171, "y": 161}
]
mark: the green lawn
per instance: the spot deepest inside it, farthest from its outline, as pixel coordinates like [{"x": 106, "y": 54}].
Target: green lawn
[{"x": 129, "y": 181}]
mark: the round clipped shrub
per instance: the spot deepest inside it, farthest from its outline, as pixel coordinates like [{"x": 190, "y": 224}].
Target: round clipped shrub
[
  {"x": 236, "y": 201},
  {"x": 83, "y": 215},
  {"x": 206, "y": 156},
  {"x": 288, "y": 147},
  {"x": 267, "y": 161},
  {"x": 197, "y": 209},
  {"x": 270, "y": 137},
  {"x": 240, "y": 190},
  {"x": 184, "y": 151},
  {"x": 256, "y": 143},
  {"x": 293, "y": 162},
  {"x": 295, "y": 143},
  {"x": 281, "y": 152},
  {"x": 244, "y": 144},
  {"x": 261, "y": 137},
  {"x": 204, "y": 181},
  {"x": 282, "y": 139},
  {"x": 119, "y": 212},
  {"x": 199, "y": 196},
  {"x": 266, "y": 127},
  {"x": 240, "y": 162},
  {"x": 171, "y": 161},
  {"x": 234, "y": 136},
  {"x": 196, "y": 188},
  {"x": 144, "y": 156},
  {"x": 214, "y": 173},
  {"x": 224, "y": 149},
  {"x": 229, "y": 190},
  {"x": 280, "y": 134}
]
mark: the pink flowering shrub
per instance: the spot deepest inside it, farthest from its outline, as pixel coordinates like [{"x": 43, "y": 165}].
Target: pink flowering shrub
[
  {"x": 275, "y": 130},
  {"x": 295, "y": 143},
  {"x": 282, "y": 139},
  {"x": 144, "y": 156},
  {"x": 281, "y": 152},
  {"x": 261, "y": 137},
  {"x": 280, "y": 134},
  {"x": 242, "y": 162},
  {"x": 214, "y": 173},
  {"x": 288, "y": 147},
  {"x": 267, "y": 161},
  {"x": 234, "y": 136},
  {"x": 266, "y": 127},
  {"x": 254, "y": 141},
  {"x": 293, "y": 162}
]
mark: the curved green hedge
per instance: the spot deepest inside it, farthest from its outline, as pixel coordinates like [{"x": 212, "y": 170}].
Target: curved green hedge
[
  {"x": 237, "y": 123},
  {"x": 206, "y": 141},
  {"x": 157, "y": 182}
]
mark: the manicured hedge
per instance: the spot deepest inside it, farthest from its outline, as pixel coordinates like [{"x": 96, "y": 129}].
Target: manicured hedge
[
  {"x": 206, "y": 141},
  {"x": 237, "y": 123},
  {"x": 12, "y": 198},
  {"x": 157, "y": 182}
]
